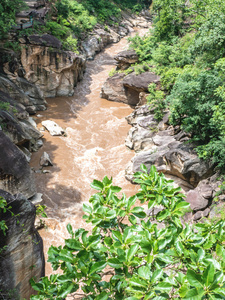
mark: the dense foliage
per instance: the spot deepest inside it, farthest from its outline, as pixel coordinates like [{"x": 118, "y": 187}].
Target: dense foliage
[
  {"x": 8, "y": 9},
  {"x": 129, "y": 255},
  {"x": 186, "y": 47}
]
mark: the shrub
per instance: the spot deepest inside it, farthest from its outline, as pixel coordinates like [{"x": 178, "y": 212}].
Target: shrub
[{"x": 154, "y": 257}]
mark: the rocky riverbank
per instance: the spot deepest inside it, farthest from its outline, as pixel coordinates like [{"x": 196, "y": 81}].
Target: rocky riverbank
[{"x": 160, "y": 144}]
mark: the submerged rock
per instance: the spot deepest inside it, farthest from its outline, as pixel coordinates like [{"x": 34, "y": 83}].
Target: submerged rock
[{"x": 22, "y": 257}]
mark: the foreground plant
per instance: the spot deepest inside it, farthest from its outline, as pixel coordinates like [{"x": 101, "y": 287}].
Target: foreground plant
[{"x": 129, "y": 255}]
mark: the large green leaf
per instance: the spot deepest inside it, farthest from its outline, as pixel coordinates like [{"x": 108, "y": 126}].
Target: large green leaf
[
  {"x": 98, "y": 266},
  {"x": 114, "y": 263},
  {"x": 97, "y": 185},
  {"x": 194, "y": 294},
  {"x": 194, "y": 279},
  {"x": 208, "y": 275},
  {"x": 144, "y": 272},
  {"x": 87, "y": 208},
  {"x": 132, "y": 251},
  {"x": 73, "y": 244}
]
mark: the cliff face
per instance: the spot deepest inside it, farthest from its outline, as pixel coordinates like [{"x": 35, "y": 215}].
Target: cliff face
[
  {"x": 54, "y": 71},
  {"x": 22, "y": 257},
  {"x": 15, "y": 173}
]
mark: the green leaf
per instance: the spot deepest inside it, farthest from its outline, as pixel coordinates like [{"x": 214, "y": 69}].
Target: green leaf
[
  {"x": 114, "y": 263},
  {"x": 102, "y": 296},
  {"x": 220, "y": 291},
  {"x": 144, "y": 272},
  {"x": 73, "y": 244},
  {"x": 97, "y": 185},
  {"x": 98, "y": 266},
  {"x": 87, "y": 208},
  {"x": 66, "y": 290},
  {"x": 132, "y": 251},
  {"x": 111, "y": 214},
  {"x": 156, "y": 275},
  {"x": 162, "y": 215},
  {"x": 135, "y": 281},
  {"x": 194, "y": 294},
  {"x": 116, "y": 235},
  {"x": 70, "y": 229},
  {"x": 143, "y": 168},
  {"x": 115, "y": 189},
  {"x": 131, "y": 201},
  {"x": 208, "y": 274},
  {"x": 164, "y": 286},
  {"x": 194, "y": 279}
]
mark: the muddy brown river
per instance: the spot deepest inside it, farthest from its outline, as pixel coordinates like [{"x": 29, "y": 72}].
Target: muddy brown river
[{"x": 94, "y": 147}]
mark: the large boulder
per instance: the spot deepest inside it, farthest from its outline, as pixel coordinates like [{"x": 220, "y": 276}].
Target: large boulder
[
  {"x": 125, "y": 58},
  {"x": 157, "y": 144},
  {"x": 140, "y": 82},
  {"x": 19, "y": 131},
  {"x": 176, "y": 159},
  {"x": 113, "y": 89},
  {"x": 15, "y": 173},
  {"x": 22, "y": 257},
  {"x": 127, "y": 89}
]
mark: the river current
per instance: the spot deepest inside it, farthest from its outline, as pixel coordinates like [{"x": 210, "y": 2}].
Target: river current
[{"x": 94, "y": 147}]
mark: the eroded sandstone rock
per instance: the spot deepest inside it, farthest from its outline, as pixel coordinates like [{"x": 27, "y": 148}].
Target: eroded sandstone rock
[
  {"x": 22, "y": 257},
  {"x": 54, "y": 71}
]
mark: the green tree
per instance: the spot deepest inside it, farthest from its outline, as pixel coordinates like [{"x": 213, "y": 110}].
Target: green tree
[{"x": 129, "y": 255}]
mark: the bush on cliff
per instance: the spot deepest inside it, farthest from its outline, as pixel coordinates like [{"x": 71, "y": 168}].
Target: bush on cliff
[
  {"x": 8, "y": 9},
  {"x": 129, "y": 255}
]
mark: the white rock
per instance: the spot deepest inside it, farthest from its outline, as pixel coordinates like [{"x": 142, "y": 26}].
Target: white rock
[
  {"x": 52, "y": 127},
  {"x": 37, "y": 198},
  {"x": 45, "y": 160}
]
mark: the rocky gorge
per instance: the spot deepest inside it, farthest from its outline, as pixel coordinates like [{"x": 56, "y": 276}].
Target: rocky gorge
[
  {"x": 42, "y": 70},
  {"x": 45, "y": 70}
]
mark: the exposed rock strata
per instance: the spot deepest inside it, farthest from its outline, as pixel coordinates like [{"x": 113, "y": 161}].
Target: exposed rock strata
[
  {"x": 23, "y": 256},
  {"x": 54, "y": 71},
  {"x": 12, "y": 82}
]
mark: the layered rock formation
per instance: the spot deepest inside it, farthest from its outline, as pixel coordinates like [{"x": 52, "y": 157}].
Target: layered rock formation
[
  {"x": 12, "y": 82},
  {"x": 22, "y": 256},
  {"x": 54, "y": 71}
]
